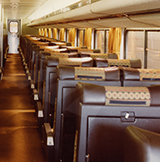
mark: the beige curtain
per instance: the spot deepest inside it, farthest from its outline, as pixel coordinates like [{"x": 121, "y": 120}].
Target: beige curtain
[
  {"x": 46, "y": 32},
  {"x": 55, "y": 33},
  {"x": 72, "y": 36},
  {"x": 62, "y": 34},
  {"x": 114, "y": 40},
  {"x": 69, "y": 36},
  {"x": 88, "y": 37},
  {"x": 50, "y": 33},
  {"x": 80, "y": 38},
  {"x": 40, "y": 33}
]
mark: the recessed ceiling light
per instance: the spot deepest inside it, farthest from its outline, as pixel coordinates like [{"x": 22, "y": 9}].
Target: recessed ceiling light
[
  {"x": 14, "y": 1},
  {"x": 14, "y": 6}
]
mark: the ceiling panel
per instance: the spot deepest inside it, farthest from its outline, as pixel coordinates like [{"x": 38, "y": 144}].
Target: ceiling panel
[
  {"x": 18, "y": 9},
  {"x": 90, "y": 15}
]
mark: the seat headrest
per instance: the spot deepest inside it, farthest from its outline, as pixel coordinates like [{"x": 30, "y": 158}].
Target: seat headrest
[
  {"x": 101, "y": 62},
  {"x": 130, "y": 74},
  {"x": 54, "y": 61},
  {"x": 140, "y": 74},
  {"x": 87, "y": 61},
  {"x": 99, "y": 55},
  {"x": 90, "y": 94},
  {"x": 89, "y": 73},
  {"x": 43, "y": 54},
  {"x": 149, "y": 74},
  {"x": 119, "y": 96}
]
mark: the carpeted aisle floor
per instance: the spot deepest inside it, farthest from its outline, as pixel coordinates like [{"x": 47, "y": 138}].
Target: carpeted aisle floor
[{"x": 19, "y": 137}]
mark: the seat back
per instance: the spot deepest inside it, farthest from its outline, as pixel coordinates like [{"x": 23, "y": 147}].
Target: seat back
[
  {"x": 140, "y": 77},
  {"x": 103, "y": 115},
  {"x": 50, "y": 78},
  {"x": 141, "y": 145},
  {"x": 41, "y": 71},
  {"x": 65, "y": 122}
]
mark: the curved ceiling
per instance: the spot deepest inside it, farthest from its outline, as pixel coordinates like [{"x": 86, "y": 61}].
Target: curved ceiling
[
  {"x": 19, "y": 9},
  {"x": 96, "y": 13},
  {"x": 107, "y": 13}
]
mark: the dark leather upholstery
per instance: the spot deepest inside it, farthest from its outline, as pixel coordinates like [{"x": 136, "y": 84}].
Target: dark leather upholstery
[
  {"x": 139, "y": 77},
  {"x": 96, "y": 51},
  {"x": 36, "y": 68},
  {"x": 66, "y": 105},
  {"x": 101, "y": 62},
  {"x": 154, "y": 93},
  {"x": 42, "y": 56},
  {"x": 135, "y": 63},
  {"x": 111, "y": 73},
  {"x": 68, "y": 44},
  {"x": 91, "y": 94},
  {"x": 73, "y": 54},
  {"x": 141, "y": 145},
  {"x": 84, "y": 54},
  {"x": 49, "y": 77},
  {"x": 54, "y": 61},
  {"x": 65, "y": 73},
  {"x": 101, "y": 128},
  {"x": 109, "y": 55},
  {"x": 130, "y": 74},
  {"x": 112, "y": 56}
]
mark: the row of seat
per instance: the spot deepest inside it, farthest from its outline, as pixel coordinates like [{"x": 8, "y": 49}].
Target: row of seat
[
  {"x": 53, "y": 82},
  {"x": 4, "y": 55},
  {"x": 5, "y": 48}
]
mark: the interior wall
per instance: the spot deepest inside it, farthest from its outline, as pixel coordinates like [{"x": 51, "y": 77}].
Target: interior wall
[
  {"x": 29, "y": 30},
  {"x": 49, "y": 7}
]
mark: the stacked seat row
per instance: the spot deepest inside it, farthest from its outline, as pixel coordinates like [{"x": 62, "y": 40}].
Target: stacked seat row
[{"x": 53, "y": 77}]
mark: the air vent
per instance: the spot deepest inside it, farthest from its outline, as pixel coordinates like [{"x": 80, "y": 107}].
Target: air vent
[
  {"x": 14, "y": 1},
  {"x": 68, "y": 8},
  {"x": 74, "y": 6},
  {"x": 92, "y": 1}
]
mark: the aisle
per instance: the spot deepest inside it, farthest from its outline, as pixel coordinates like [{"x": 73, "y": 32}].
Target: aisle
[{"x": 19, "y": 137}]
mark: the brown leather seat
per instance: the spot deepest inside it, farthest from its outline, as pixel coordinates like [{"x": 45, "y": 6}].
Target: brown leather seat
[
  {"x": 101, "y": 62},
  {"x": 48, "y": 81},
  {"x": 98, "y": 55},
  {"x": 141, "y": 145},
  {"x": 140, "y": 77},
  {"x": 66, "y": 101},
  {"x": 101, "y": 123}
]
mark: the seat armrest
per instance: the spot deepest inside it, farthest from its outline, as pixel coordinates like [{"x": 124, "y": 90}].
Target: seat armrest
[
  {"x": 29, "y": 76},
  {"x": 40, "y": 109},
  {"x": 32, "y": 84},
  {"x": 35, "y": 93},
  {"x": 49, "y": 134},
  {"x": 27, "y": 70}
]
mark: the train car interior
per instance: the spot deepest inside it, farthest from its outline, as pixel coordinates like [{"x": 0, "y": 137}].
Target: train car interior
[{"x": 79, "y": 81}]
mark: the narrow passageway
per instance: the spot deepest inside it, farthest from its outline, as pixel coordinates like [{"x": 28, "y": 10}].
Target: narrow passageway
[{"x": 19, "y": 137}]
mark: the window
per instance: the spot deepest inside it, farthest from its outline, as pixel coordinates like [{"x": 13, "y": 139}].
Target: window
[
  {"x": 13, "y": 27},
  {"x": 100, "y": 40},
  {"x": 153, "y": 50},
  {"x": 135, "y": 45},
  {"x": 107, "y": 34},
  {"x": 50, "y": 34},
  {"x": 80, "y": 38}
]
